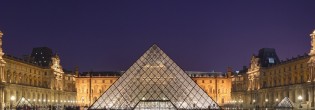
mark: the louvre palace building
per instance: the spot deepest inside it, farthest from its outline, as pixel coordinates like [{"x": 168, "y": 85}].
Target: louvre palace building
[
  {"x": 155, "y": 81},
  {"x": 37, "y": 79},
  {"x": 269, "y": 81}
]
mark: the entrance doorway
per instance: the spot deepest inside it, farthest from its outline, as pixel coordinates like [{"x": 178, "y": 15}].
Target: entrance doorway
[{"x": 155, "y": 105}]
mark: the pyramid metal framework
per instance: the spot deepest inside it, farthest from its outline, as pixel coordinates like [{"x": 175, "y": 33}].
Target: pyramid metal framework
[
  {"x": 285, "y": 103},
  {"x": 154, "y": 81}
]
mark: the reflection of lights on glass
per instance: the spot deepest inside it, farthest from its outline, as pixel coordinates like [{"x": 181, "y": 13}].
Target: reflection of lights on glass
[
  {"x": 277, "y": 100},
  {"x": 266, "y": 100},
  {"x": 254, "y": 100},
  {"x": 110, "y": 104}
]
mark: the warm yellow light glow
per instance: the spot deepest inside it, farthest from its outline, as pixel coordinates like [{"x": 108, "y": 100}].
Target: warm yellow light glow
[
  {"x": 300, "y": 97},
  {"x": 12, "y": 98}
]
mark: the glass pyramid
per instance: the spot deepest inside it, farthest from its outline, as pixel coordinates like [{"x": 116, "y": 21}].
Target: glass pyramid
[
  {"x": 23, "y": 102},
  {"x": 154, "y": 81},
  {"x": 285, "y": 103}
]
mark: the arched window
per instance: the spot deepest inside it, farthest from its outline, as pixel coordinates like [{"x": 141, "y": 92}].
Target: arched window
[
  {"x": 94, "y": 99},
  {"x": 8, "y": 76},
  {"x": 222, "y": 100},
  {"x": 82, "y": 99}
]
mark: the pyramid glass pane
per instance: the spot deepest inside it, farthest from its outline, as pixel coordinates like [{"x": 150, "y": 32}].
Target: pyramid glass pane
[{"x": 154, "y": 81}]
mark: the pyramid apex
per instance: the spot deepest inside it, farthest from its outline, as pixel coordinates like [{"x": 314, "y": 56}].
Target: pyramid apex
[{"x": 154, "y": 45}]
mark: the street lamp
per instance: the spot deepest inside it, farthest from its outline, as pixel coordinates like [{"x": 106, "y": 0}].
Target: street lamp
[
  {"x": 266, "y": 100},
  {"x": 254, "y": 103},
  {"x": 12, "y": 98},
  {"x": 300, "y": 99},
  {"x": 241, "y": 103}
]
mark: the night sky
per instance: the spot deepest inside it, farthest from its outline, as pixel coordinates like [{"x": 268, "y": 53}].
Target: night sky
[{"x": 104, "y": 35}]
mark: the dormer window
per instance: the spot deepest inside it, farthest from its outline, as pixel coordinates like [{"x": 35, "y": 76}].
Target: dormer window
[{"x": 271, "y": 60}]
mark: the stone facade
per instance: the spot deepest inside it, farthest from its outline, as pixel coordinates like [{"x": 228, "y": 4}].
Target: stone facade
[
  {"x": 267, "y": 80},
  {"x": 217, "y": 85},
  {"x": 91, "y": 85},
  {"x": 38, "y": 84}
]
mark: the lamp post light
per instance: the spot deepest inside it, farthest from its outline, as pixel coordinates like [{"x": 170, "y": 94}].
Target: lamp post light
[
  {"x": 254, "y": 103},
  {"x": 266, "y": 100},
  {"x": 241, "y": 104},
  {"x": 300, "y": 99},
  {"x": 12, "y": 98}
]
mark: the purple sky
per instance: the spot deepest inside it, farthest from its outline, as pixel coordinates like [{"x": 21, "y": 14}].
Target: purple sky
[{"x": 108, "y": 35}]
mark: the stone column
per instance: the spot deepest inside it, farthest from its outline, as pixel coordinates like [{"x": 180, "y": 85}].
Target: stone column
[
  {"x": 2, "y": 62},
  {"x": 2, "y": 98},
  {"x": 311, "y": 96}
]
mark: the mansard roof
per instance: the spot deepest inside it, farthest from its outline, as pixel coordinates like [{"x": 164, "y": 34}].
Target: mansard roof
[
  {"x": 102, "y": 73},
  {"x": 10, "y": 57}
]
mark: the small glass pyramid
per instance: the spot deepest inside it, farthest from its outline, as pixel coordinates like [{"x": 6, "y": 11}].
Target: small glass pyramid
[
  {"x": 154, "y": 82},
  {"x": 23, "y": 102},
  {"x": 285, "y": 103}
]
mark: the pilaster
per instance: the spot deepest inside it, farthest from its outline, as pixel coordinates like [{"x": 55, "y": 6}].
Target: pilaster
[{"x": 2, "y": 62}]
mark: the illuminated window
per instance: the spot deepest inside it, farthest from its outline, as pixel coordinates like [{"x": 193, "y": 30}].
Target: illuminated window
[{"x": 271, "y": 60}]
